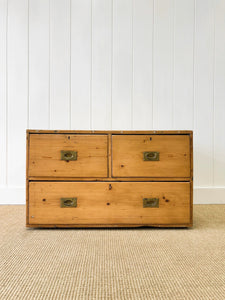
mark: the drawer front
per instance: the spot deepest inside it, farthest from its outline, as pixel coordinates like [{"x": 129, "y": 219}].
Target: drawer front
[
  {"x": 139, "y": 203},
  {"x": 151, "y": 155},
  {"x": 61, "y": 155}
]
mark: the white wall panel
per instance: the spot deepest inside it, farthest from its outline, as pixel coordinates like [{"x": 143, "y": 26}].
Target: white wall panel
[
  {"x": 219, "y": 95},
  {"x": 3, "y": 91},
  {"x": 39, "y": 64},
  {"x": 81, "y": 53},
  {"x": 142, "y": 63},
  {"x": 17, "y": 85},
  {"x": 122, "y": 65},
  {"x": 163, "y": 62},
  {"x": 101, "y": 63},
  {"x": 204, "y": 69},
  {"x": 59, "y": 64},
  {"x": 184, "y": 22}
]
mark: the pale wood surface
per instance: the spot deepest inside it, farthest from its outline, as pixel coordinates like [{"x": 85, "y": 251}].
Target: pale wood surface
[
  {"x": 97, "y": 203},
  {"x": 174, "y": 156},
  {"x": 37, "y": 131},
  {"x": 45, "y": 155},
  {"x": 109, "y": 156},
  {"x": 107, "y": 225},
  {"x": 51, "y": 178}
]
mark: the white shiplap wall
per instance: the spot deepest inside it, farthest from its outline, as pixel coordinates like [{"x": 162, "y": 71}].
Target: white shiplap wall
[{"x": 113, "y": 64}]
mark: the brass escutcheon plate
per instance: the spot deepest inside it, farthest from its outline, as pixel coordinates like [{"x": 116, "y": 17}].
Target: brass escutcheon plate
[
  {"x": 150, "y": 202},
  {"x": 68, "y": 202}
]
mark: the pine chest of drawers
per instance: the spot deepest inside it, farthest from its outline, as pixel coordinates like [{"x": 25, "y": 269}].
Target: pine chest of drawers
[{"x": 109, "y": 178}]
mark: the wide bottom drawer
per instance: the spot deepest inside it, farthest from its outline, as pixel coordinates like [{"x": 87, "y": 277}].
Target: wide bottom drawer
[{"x": 109, "y": 203}]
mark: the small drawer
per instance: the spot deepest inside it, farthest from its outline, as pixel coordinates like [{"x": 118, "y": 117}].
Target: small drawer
[
  {"x": 105, "y": 203},
  {"x": 151, "y": 156},
  {"x": 68, "y": 155}
]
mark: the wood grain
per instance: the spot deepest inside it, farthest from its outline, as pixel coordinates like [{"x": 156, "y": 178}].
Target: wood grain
[
  {"x": 45, "y": 155},
  {"x": 174, "y": 152},
  {"x": 97, "y": 203},
  {"x": 107, "y": 225},
  {"x": 156, "y": 132},
  {"x": 51, "y": 178}
]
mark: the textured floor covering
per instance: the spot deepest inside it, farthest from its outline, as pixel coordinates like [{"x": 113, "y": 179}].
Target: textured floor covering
[{"x": 144, "y": 263}]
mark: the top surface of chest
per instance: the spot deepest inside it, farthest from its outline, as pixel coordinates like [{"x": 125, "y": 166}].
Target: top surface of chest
[{"x": 115, "y": 154}]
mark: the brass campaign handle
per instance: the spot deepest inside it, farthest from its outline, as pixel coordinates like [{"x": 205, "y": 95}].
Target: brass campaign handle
[
  {"x": 150, "y": 202},
  {"x": 68, "y": 155},
  {"x": 68, "y": 202},
  {"x": 151, "y": 155}
]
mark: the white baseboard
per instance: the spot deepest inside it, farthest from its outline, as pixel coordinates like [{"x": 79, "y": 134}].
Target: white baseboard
[
  {"x": 202, "y": 195},
  {"x": 209, "y": 195},
  {"x": 12, "y": 195}
]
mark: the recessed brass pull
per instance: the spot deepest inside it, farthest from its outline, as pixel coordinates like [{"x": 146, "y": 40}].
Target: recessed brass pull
[
  {"x": 68, "y": 155},
  {"x": 150, "y": 202},
  {"x": 151, "y": 155},
  {"x": 68, "y": 202}
]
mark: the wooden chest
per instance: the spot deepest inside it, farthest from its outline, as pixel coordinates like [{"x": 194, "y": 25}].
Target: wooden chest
[{"x": 109, "y": 178}]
